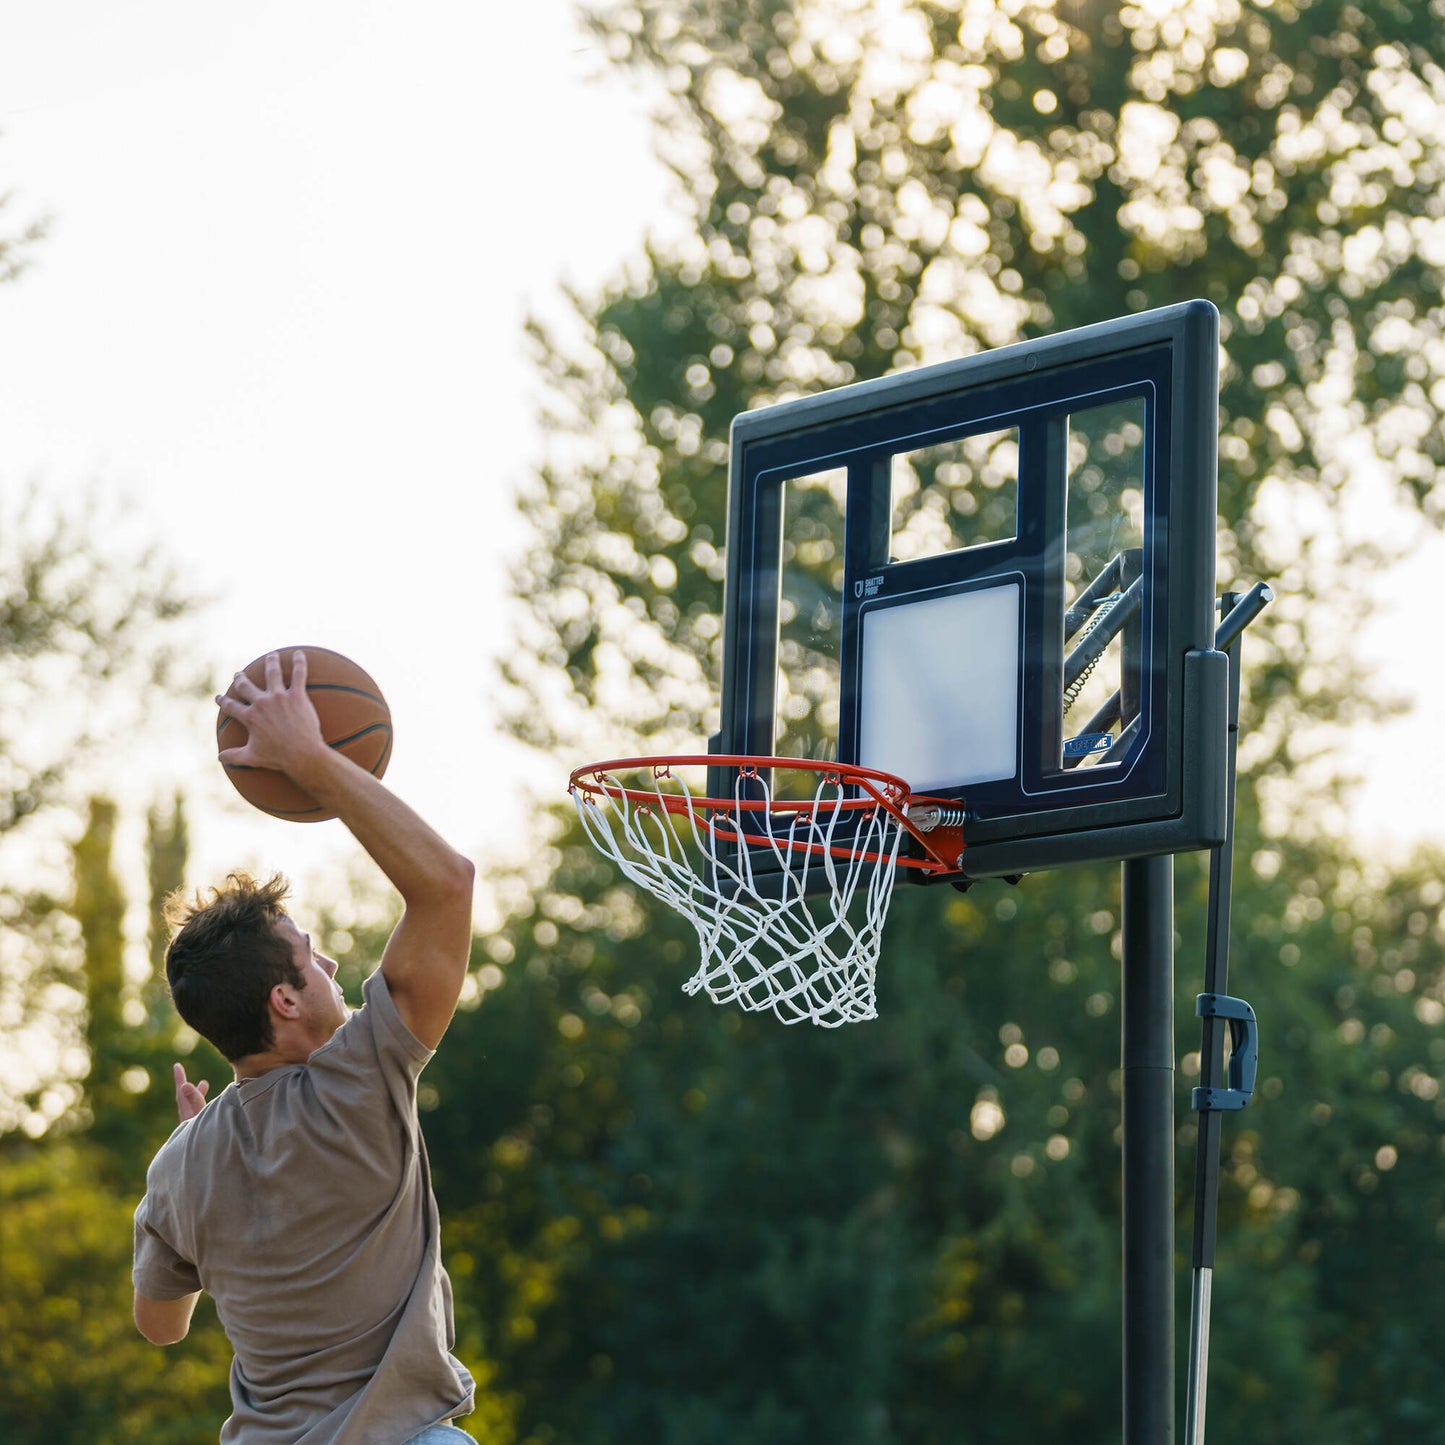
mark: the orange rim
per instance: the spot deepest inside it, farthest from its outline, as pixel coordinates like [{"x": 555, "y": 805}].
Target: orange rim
[{"x": 943, "y": 845}]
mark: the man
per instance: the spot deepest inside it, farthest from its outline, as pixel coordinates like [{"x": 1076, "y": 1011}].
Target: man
[{"x": 300, "y": 1199}]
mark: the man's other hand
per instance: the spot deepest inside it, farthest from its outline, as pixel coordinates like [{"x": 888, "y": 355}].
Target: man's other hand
[{"x": 190, "y": 1098}]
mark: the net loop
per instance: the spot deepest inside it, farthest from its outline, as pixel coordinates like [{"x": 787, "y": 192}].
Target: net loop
[{"x": 768, "y": 884}]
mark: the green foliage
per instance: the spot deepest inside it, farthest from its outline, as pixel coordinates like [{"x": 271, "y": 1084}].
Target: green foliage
[
  {"x": 167, "y": 848},
  {"x": 132, "y": 1034},
  {"x": 15, "y": 244},
  {"x": 87, "y": 643},
  {"x": 85, "y": 640},
  {"x": 865, "y": 190},
  {"x": 667, "y": 1222},
  {"x": 686, "y": 1226},
  {"x": 72, "y": 1365},
  {"x": 99, "y": 909},
  {"x": 73, "y": 1368},
  {"x": 90, "y": 638}
]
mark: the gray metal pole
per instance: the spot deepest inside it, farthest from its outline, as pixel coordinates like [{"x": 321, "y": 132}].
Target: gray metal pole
[
  {"x": 1238, "y": 612},
  {"x": 1148, "y": 1129}
]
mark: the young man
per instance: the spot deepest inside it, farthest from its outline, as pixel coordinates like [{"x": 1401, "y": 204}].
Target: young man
[{"x": 300, "y": 1199}]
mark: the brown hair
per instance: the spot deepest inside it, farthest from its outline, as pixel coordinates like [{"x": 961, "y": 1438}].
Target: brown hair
[{"x": 225, "y": 959}]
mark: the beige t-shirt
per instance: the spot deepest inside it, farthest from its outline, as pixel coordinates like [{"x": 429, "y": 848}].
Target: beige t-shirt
[{"x": 301, "y": 1202}]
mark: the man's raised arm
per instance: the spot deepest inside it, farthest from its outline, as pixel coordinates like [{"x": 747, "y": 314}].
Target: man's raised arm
[{"x": 425, "y": 960}]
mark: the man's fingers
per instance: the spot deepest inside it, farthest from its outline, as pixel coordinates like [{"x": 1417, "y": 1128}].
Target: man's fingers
[
  {"x": 178, "y": 1072},
  {"x": 190, "y": 1098},
  {"x": 243, "y": 688},
  {"x": 232, "y": 708},
  {"x": 243, "y": 692}
]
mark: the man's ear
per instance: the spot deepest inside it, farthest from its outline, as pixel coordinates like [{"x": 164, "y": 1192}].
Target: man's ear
[{"x": 283, "y": 1000}]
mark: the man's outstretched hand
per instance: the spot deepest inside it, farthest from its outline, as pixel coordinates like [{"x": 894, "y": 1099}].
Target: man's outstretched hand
[
  {"x": 282, "y": 729},
  {"x": 190, "y": 1098}
]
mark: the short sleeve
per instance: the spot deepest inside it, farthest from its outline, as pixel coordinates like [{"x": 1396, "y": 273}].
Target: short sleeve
[
  {"x": 368, "y": 1070},
  {"x": 374, "y": 1034},
  {"x": 159, "y": 1272}
]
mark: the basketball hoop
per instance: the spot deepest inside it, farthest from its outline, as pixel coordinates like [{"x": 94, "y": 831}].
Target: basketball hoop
[{"x": 762, "y": 946}]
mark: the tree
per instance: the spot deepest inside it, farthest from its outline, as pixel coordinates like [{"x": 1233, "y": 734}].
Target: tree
[
  {"x": 99, "y": 910},
  {"x": 85, "y": 628},
  {"x": 167, "y": 849},
  {"x": 863, "y": 193},
  {"x": 85, "y": 623},
  {"x": 89, "y": 624},
  {"x": 72, "y": 1365},
  {"x": 15, "y": 246},
  {"x": 132, "y": 1033},
  {"x": 698, "y": 1226}
]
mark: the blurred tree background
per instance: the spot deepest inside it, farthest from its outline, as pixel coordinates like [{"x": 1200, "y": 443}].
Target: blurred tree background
[{"x": 673, "y": 1223}]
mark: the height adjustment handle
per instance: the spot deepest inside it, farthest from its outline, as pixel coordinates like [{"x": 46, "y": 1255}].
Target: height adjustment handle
[{"x": 1243, "y": 1052}]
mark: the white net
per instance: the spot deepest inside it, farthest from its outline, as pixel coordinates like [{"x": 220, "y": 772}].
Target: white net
[{"x": 788, "y": 899}]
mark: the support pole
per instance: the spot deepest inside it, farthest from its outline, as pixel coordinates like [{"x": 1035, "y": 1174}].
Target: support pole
[
  {"x": 1238, "y": 612},
  {"x": 1148, "y": 1130}
]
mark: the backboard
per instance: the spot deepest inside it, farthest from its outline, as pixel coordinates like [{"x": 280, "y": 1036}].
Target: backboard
[{"x": 994, "y": 577}]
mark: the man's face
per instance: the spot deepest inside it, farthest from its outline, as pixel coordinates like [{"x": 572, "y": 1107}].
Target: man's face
[{"x": 322, "y": 1003}]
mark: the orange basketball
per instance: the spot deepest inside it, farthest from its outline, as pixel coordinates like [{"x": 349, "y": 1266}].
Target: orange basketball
[{"x": 355, "y": 720}]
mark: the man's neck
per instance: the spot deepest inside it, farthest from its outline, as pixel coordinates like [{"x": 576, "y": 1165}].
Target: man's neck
[{"x": 253, "y": 1066}]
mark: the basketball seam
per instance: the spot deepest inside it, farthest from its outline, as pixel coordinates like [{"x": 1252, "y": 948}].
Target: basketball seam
[
  {"x": 344, "y": 687},
  {"x": 375, "y": 770},
  {"x": 370, "y": 727},
  {"x": 361, "y": 733},
  {"x": 339, "y": 742}
]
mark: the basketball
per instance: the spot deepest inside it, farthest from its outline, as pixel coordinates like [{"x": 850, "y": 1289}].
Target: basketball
[{"x": 355, "y": 720}]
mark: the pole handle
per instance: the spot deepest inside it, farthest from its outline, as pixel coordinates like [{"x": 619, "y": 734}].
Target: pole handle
[{"x": 1243, "y": 1052}]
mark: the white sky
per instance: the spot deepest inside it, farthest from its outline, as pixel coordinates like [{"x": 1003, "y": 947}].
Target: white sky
[{"x": 281, "y": 308}]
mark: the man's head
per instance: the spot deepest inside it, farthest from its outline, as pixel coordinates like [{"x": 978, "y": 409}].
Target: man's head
[{"x": 238, "y": 967}]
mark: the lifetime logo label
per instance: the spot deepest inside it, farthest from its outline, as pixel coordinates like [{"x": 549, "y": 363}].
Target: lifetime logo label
[{"x": 1086, "y": 743}]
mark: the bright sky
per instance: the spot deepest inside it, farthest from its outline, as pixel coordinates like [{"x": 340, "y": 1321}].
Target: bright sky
[{"x": 281, "y": 309}]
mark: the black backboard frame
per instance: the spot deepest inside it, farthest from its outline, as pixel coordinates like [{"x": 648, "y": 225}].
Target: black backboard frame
[{"x": 1168, "y": 793}]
